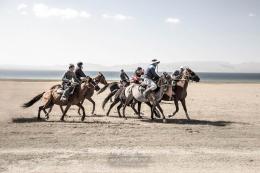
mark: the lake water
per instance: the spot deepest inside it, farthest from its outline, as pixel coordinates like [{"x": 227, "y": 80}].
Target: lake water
[{"x": 114, "y": 75}]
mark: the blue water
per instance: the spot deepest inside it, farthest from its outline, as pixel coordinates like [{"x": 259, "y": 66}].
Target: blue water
[{"x": 111, "y": 75}]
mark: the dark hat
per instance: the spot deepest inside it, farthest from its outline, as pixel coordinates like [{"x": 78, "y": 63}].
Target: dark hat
[
  {"x": 71, "y": 66},
  {"x": 79, "y": 64}
]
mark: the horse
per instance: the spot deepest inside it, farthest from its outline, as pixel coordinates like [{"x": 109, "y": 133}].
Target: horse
[
  {"x": 133, "y": 92},
  {"x": 180, "y": 90},
  {"x": 52, "y": 97},
  {"x": 119, "y": 97},
  {"x": 100, "y": 78}
]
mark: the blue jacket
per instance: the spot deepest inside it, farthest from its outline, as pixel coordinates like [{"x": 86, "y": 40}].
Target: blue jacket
[{"x": 150, "y": 73}]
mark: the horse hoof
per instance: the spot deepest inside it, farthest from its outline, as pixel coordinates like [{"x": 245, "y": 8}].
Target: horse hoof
[
  {"x": 47, "y": 117},
  {"x": 164, "y": 121},
  {"x": 83, "y": 118},
  {"x": 140, "y": 117},
  {"x": 62, "y": 119}
]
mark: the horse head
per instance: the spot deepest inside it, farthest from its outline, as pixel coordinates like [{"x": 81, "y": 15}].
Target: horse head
[
  {"x": 100, "y": 78},
  {"x": 188, "y": 74},
  {"x": 88, "y": 82}
]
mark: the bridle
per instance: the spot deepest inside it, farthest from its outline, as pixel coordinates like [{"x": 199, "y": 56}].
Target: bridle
[{"x": 98, "y": 78}]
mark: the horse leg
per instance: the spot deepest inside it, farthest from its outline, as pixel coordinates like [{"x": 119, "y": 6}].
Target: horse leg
[
  {"x": 152, "y": 111},
  {"x": 93, "y": 103},
  {"x": 183, "y": 102},
  {"x": 112, "y": 105},
  {"x": 61, "y": 108},
  {"x": 47, "y": 114},
  {"x": 79, "y": 107},
  {"x": 39, "y": 111},
  {"x": 139, "y": 109},
  {"x": 83, "y": 110},
  {"x": 118, "y": 109},
  {"x": 65, "y": 111},
  {"x": 127, "y": 102},
  {"x": 160, "y": 109},
  {"x": 177, "y": 108}
]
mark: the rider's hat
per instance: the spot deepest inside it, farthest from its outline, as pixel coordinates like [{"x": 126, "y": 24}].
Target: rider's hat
[
  {"x": 155, "y": 61},
  {"x": 79, "y": 64},
  {"x": 71, "y": 66}
]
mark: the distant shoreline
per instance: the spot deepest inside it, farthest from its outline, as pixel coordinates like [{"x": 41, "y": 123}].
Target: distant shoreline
[
  {"x": 58, "y": 81},
  {"x": 45, "y": 76}
]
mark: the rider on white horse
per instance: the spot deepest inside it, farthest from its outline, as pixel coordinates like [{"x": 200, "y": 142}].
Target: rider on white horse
[{"x": 151, "y": 77}]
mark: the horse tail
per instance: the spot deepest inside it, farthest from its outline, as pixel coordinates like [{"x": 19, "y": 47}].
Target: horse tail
[
  {"x": 33, "y": 100},
  {"x": 103, "y": 89},
  {"x": 107, "y": 98},
  {"x": 106, "y": 86}
]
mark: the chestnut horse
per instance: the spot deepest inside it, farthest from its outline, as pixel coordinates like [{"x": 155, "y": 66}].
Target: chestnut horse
[
  {"x": 100, "y": 78},
  {"x": 52, "y": 97}
]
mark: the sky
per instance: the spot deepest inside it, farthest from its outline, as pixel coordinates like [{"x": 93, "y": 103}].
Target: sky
[{"x": 112, "y": 32}]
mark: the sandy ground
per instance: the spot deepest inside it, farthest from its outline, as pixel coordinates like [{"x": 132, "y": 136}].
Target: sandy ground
[{"x": 224, "y": 135}]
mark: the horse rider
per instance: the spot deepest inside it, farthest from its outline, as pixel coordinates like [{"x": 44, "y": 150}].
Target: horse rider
[
  {"x": 151, "y": 77},
  {"x": 177, "y": 74},
  {"x": 69, "y": 82},
  {"x": 79, "y": 72},
  {"x": 137, "y": 77},
  {"x": 124, "y": 78}
]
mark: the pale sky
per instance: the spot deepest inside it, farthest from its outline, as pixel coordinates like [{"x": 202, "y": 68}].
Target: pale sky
[{"x": 110, "y": 32}]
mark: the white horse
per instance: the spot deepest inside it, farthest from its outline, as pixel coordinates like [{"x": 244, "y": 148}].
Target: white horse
[{"x": 135, "y": 91}]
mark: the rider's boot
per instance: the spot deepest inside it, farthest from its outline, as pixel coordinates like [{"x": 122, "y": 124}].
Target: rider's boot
[{"x": 147, "y": 92}]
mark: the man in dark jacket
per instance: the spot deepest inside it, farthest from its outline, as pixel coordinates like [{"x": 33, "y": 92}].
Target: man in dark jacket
[
  {"x": 69, "y": 81},
  {"x": 151, "y": 77},
  {"x": 79, "y": 72},
  {"x": 124, "y": 78}
]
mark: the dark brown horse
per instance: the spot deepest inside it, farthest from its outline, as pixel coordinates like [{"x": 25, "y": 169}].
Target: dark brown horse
[
  {"x": 52, "y": 97},
  {"x": 180, "y": 90}
]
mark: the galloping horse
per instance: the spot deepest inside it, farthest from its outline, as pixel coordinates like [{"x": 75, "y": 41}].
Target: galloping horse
[
  {"x": 100, "y": 78},
  {"x": 180, "y": 90},
  {"x": 52, "y": 97}
]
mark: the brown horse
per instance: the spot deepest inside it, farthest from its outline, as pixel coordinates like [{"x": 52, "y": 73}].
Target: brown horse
[
  {"x": 100, "y": 78},
  {"x": 180, "y": 90},
  {"x": 52, "y": 97}
]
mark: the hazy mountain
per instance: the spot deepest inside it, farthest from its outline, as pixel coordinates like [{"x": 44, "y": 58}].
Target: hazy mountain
[{"x": 195, "y": 65}]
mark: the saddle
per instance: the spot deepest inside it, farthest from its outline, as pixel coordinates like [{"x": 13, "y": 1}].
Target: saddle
[
  {"x": 142, "y": 87},
  {"x": 61, "y": 90}
]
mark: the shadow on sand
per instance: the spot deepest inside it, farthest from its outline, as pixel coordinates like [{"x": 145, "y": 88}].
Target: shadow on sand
[
  {"x": 190, "y": 122},
  {"x": 36, "y": 120},
  {"x": 169, "y": 121}
]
